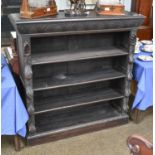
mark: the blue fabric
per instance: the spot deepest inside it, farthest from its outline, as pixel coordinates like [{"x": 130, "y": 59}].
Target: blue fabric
[
  {"x": 13, "y": 113},
  {"x": 143, "y": 74}
]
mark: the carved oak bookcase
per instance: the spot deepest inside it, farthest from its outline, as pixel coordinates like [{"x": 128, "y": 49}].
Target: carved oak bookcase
[{"x": 76, "y": 72}]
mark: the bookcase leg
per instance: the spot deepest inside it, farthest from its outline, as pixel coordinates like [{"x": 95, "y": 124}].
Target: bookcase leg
[
  {"x": 137, "y": 116},
  {"x": 17, "y": 142}
]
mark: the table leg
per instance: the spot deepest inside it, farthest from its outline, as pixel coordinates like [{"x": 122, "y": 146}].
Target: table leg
[
  {"x": 17, "y": 142},
  {"x": 138, "y": 116}
]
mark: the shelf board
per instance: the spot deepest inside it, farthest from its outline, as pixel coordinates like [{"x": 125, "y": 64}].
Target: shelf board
[
  {"x": 65, "y": 56},
  {"x": 60, "y": 103},
  {"x": 77, "y": 79},
  {"x": 67, "y": 118},
  {"x": 76, "y": 121}
]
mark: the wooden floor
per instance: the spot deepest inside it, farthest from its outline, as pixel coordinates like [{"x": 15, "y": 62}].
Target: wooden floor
[{"x": 105, "y": 142}]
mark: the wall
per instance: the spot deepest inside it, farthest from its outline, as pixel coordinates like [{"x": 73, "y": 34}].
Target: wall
[{"x": 127, "y": 4}]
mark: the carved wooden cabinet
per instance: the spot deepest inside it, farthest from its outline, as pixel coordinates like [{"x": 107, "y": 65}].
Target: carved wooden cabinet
[{"x": 76, "y": 72}]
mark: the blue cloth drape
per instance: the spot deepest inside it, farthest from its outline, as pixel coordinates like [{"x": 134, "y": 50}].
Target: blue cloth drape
[
  {"x": 143, "y": 74},
  {"x": 13, "y": 113}
]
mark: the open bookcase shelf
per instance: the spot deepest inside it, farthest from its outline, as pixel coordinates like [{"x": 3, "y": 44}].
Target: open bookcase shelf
[
  {"x": 76, "y": 116},
  {"x": 65, "y": 56},
  {"x": 76, "y": 72},
  {"x": 51, "y": 100},
  {"x": 73, "y": 80}
]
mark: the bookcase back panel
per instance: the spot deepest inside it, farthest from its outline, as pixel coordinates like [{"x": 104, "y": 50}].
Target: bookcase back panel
[
  {"x": 79, "y": 42},
  {"x": 72, "y": 90},
  {"x": 79, "y": 67}
]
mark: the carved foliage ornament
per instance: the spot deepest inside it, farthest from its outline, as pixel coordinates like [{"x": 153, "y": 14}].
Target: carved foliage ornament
[
  {"x": 27, "y": 48},
  {"x": 133, "y": 37}
]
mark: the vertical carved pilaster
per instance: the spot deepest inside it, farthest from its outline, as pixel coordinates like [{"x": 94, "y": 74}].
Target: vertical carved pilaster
[
  {"x": 132, "y": 42},
  {"x": 131, "y": 52},
  {"x": 28, "y": 82}
]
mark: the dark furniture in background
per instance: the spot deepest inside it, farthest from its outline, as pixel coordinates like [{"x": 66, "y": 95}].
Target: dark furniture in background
[
  {"x": 76, "y": 72},
  {"x": 8, "y": 7},
  {"x": 145, "y": 8}
]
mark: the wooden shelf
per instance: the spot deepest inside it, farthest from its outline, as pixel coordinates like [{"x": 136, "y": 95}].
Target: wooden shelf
[
  {"x": 65, "y": 56},
  {"x": 79, "y": 69},
  {"x": 75, "y": 100},
  {"x": 76, "y": 117},
  {"x": 72, "y": 80},
  {"x": 49, "y": 136}
]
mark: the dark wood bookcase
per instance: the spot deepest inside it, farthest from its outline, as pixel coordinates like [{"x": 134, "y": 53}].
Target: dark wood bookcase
[{"x": 76, "y": 72}]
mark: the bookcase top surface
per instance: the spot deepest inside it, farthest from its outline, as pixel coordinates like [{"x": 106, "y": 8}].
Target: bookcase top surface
[{"x": 61, "y": 17}]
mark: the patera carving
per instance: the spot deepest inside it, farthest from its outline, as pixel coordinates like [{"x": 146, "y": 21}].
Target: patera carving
[
  {"x": 27, "y": 48},
  {"x": 125, "y": 106},
  {"x": 28, "y": 72}
]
